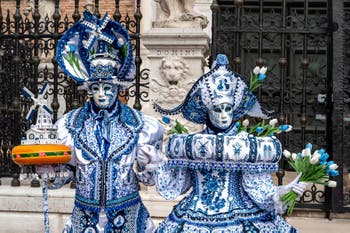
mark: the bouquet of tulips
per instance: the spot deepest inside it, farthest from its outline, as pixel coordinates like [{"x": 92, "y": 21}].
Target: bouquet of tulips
[
  {"x": 262, "y": 128},
  {"x": 313, "y": 167}
]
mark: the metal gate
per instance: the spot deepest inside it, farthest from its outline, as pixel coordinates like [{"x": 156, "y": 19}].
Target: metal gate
[
  {"x": 302, "y": 43},
  {"x": 27, "y": 48}
]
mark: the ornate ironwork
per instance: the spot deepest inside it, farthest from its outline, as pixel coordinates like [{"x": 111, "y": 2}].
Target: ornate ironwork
[
  {"x": 27, "y": 48},
  {"x": 299, "y": 43}
]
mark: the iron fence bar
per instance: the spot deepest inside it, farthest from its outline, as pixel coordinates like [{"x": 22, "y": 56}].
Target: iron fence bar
[
  {"x": 138, "y": 60},
  {"x": 335, "y": 101},
  {"x": 117, "y": 16},
  {"x": 215, "y": 17},
  {"x": 283, "y": 66},
  {"x": 237, "y": 60},
  {"x": 304, "y": 66}
]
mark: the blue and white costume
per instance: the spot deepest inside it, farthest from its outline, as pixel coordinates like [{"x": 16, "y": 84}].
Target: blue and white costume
[
  {"x": 106, "y": 180},
  {"x": 229, "y": 173},
  {"x": 107, "y": 138}
]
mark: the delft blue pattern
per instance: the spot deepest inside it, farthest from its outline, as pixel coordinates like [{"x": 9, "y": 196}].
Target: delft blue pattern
[
  {"x": 79, "y": 32},
  {"x": 104, "y": 174},
  {"x": 227, "y": 196},
  {"x": 130, "y": 219},
  {"x": 220, "y": 83}
]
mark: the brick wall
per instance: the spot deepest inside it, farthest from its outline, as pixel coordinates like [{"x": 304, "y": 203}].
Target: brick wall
[{"x": 67, "y": 7}]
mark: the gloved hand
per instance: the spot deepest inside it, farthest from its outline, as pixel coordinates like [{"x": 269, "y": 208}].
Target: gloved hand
[
  {"x": 47, "y": 169},
  {"x": 148, "y": 156},
  {"x": 295, "y": 185}
]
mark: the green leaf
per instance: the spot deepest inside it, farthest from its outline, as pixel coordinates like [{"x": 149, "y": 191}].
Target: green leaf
[{"x": 178, "y": 128}]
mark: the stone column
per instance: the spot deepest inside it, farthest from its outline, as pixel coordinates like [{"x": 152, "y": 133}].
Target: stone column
[{"x": 177, "y": 57}]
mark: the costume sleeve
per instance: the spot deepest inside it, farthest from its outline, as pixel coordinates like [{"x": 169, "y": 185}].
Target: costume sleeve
[
  {"x": 149, "y": 150},
  {"x": 66, "y": 138},
  {"x": 261, "y": 189},
  {"x": 172, "y": 181},
  {"x": 64, "y": 173}
]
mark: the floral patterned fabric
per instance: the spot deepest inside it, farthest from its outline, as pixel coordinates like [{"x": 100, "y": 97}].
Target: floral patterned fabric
[
  {"x": 227, "y": 198},
  {"x": 107, "y": 198}
]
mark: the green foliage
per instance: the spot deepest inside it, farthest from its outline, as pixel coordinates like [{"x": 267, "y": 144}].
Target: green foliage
[{"x": 178, "y": 128}]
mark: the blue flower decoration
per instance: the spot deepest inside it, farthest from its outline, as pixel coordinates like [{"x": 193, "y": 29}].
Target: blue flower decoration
[
  {"x": 221, "y": 59},
  {"x": 309, "y": 145},
  {"x": 333, "y": 172},
  {"x": 324, "y": 156},
  {"x": 72, "y": 48},
  {"x": 284, "y": 127},
  {"x": 166, "y": 119},
  {"x": 259, "y": 129},
  {"x": 261, "y": 77}
]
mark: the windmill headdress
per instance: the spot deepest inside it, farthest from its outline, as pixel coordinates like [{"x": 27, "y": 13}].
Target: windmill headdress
[{"x": 97, "y": 50}]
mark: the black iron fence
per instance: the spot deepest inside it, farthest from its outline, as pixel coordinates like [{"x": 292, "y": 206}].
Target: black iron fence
[
  {"x": 302, "y": 43},
  {"x": 28, "y": 39}
]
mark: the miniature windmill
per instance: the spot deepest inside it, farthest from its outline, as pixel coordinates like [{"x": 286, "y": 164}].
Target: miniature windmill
[
  {"x": 43, "y": 131},
  {"x": 44, "y": 112}
]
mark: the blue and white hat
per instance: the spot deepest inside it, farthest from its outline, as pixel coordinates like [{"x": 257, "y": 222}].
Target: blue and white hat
[
  {"x": 97, "y": 50},
  {"x": 219, "y": 85}
]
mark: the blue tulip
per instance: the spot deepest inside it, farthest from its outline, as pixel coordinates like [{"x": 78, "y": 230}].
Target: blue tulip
[
  {"x": 259, "y": 129},
  {"x": 166, "y": 119},
  {"x": 261, "y": 77},
  {"x": 309, "y": 145},
  {"x": 333, "y": 172},
  {"x": 72, "y": 48},
  {"x": 324, "y": 156}
]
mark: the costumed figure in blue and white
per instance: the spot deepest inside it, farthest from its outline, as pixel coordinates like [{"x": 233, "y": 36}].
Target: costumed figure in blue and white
[
  {"x": 107, "y": 138},
  {"x": 229, "y": 173}
]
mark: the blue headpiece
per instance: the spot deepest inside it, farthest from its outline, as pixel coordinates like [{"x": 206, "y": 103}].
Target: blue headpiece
[
  {"x": 97, "y": 50},
  {"x": 219, "y": 85}
]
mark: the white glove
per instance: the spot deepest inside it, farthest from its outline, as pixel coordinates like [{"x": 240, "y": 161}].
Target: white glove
[
  {"x": 45, "y": 169},
  {"x": 295, "y": 185},
  {"x": 148, "y": 156}
]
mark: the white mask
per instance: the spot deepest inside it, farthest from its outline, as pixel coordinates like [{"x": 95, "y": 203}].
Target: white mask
[
  {"x": 104, "y": 94},
  {"x": 221, "y": 116}
]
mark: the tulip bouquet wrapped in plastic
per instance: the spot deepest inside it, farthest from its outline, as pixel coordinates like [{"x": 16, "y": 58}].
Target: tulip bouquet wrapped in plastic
[{"x": 314, "y": 168}]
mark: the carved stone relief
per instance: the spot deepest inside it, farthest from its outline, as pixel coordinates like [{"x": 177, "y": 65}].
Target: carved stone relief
[
  {"x": 172, "y": 86},
  {"x": 173, "y": 83},
  {"x": 179, "y": 13}
]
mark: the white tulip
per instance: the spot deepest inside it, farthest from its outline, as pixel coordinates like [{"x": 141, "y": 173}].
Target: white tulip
[
  {"x": 306, "y": 152},
  {"x": 286, "y": 153},
  {"x": 256, "y": 70},
  {"x": 245, "y": 123},
  {"x": 332, "y": 184},
  {"x": 294, "y": 156},
  {"x": 67, "y": 48},
  {"x": 316, "y": 155},
  {"x": 273, "y": 122},
  {"x": 314, "y": 160},
  {"x": 263, "y": 70},
  {"x": 333, "y": 166}
]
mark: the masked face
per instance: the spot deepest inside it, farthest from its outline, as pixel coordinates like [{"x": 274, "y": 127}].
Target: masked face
[
  {"x": 104, "y": 94},
  {"x": 221, "y": 115}
]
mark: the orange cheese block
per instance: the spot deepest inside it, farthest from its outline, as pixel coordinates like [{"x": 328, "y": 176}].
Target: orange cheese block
[{"x": 33, "y": 154}]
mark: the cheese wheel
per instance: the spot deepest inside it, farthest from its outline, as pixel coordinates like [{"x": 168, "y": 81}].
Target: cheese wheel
[{"x": 33, "y": 154}]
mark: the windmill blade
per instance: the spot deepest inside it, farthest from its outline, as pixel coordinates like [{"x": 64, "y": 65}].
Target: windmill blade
[
  {"x": 44, "y": 89},
  {"x": 47, "y": 109},
  {"x": 26, "y": 92},
  {"x": 30, "y": 114}
]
